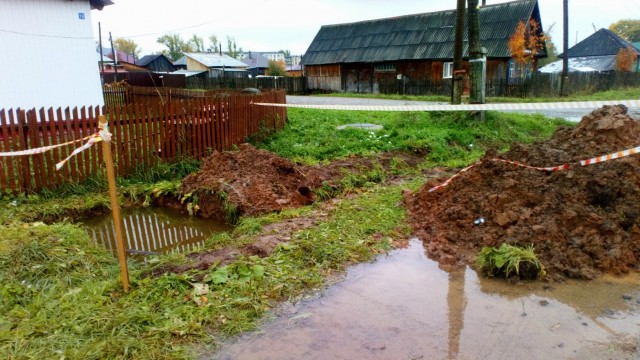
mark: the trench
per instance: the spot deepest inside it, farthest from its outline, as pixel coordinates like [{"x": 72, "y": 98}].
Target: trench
[
  {"x": 154, "y": 230},
  {"x": 403, "y": 306}
]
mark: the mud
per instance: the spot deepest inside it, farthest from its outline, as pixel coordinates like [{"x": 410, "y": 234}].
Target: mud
[
  {"x": 583, "y": 221},
  {"x": 258, "y": 182},
  {"x": 404, "y": 307}
]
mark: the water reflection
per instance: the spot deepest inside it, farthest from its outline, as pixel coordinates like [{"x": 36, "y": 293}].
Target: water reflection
[
  {"x": 404, "y": 307},
  {"x": 154, "y": 231}
]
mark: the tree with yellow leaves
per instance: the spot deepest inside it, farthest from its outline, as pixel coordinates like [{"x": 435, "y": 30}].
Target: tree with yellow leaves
[
  {"x": 626, "y": 59},
  {"x": 527, "y": 42}
]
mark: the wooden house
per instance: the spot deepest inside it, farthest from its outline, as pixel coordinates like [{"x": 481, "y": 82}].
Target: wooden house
[
  {"x": 360, "y": 56},
  {"x": 49, "y": 54},
  {"x": 596, "y": 53},
  {"x": 217, "y": 65},
  {"x": 157, "y": 63}
]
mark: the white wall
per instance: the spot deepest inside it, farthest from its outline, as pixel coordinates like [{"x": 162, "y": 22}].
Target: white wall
[{"x": 47, "y": 55}]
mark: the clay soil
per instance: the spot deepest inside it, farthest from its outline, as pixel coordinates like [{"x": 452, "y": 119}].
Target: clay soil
[
  {"x": 583, "y": 221},
  {"x": 257, "y": 181}
]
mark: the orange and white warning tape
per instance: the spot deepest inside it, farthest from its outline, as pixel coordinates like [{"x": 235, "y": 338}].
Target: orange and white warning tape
[
  {"x": 595, "y": 160},
  {"x": 465, "y": 107}
]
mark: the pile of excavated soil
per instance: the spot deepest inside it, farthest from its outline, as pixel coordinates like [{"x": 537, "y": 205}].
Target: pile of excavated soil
[
  {"x": 258, "y": 182},
  {"x": 255, "y": 181},
  {"x": 583, "y": 221}
]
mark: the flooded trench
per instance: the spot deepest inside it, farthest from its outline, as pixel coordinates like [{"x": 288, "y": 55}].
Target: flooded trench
[
  {"x": 404, "y": 307},
  {"x": 154, "y": 230}
]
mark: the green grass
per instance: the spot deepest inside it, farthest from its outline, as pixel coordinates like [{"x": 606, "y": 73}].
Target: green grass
[
  {"x": 618, "y": 94},
  {"x": 61, "y": 297},
  {"x": 507, "y": 260},
  {"x": 445, "y": 138}
]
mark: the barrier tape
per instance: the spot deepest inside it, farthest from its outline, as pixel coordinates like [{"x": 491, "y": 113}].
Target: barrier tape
[
  {"x": 40, "y": 150},
  {"x": 102, "y": 135},
  {"x": 465, "y": 107},
  {"x": 595, "y": 160}
]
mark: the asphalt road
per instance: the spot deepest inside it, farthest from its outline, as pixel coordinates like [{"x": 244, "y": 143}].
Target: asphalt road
[{"x": 568, "y": 114}]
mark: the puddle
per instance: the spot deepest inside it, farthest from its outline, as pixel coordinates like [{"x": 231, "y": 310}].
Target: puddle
[
  {"x": 154, "y": 230},
  {"x": 404, "y": 307}
]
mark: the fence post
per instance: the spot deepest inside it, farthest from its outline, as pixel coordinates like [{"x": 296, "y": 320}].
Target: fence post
[{"x": 115, "y": 205}]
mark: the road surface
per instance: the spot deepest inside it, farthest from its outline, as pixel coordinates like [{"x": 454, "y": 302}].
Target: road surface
[{"x": 568, "y": 114}]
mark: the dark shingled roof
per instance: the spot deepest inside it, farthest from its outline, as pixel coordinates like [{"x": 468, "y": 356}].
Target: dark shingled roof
[
  {"x": 602, "y": 42},
  {"x": 416, "y": 37},
  {"x": 148, "y": 59}
]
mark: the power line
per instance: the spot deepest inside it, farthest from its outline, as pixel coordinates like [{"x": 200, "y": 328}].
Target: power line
[{"x": 46, "y": 35}]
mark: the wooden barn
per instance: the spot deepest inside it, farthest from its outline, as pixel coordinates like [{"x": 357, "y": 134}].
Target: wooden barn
[{"x": 362, "y": 56}]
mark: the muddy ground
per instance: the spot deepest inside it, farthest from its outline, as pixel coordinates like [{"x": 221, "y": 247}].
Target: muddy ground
[
  {"x": 583, "y": 221},
  {"x": 258, "y": 182}
]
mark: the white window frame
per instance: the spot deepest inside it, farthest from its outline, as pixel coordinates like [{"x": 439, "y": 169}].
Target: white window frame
[{"x": 447, "y": 70}]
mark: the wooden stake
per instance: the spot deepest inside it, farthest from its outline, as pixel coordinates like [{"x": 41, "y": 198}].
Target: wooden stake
[{"x": 115, "y": 206}]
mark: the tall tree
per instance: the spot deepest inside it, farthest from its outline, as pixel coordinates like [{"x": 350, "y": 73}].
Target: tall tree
[
  {"x": 214, "y": 43},
  {"x": 174, "y": 43},
  {"x": 285, "y": 52},
  {"x": 197, "y": 43},
  {"x": 627, "y": 29},
  {"x": 232, "y": 48},
  {"x": 128, "y": 46}
]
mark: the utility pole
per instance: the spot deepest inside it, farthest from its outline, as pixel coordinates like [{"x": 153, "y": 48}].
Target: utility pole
[
  {"x": 101, "y": 54},
  {"x": 477, "y": 56},
  {"x": 115, "y": 58},
  {"x": 565, "y": 48},
  {"x": 458, "y": 72}
]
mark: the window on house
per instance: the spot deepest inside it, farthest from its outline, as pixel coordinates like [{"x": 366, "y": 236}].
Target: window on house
[
  {"x": 385, "y": 67},
  {"x": 447, "y": 70}
]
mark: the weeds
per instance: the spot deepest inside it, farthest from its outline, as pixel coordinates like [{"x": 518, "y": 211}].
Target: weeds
[{"x": 508, "y": 260}]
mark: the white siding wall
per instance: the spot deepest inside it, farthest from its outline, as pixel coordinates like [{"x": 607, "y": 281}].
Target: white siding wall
[{"x": 47, "y": 55}]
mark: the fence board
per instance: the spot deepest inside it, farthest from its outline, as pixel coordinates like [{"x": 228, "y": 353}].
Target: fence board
[
  {"x": 7, "y": 162},
  {"x": 142, "y": 133}
]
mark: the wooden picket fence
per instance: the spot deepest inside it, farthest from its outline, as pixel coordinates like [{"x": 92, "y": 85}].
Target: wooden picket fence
[{"x": 143, "y": 135}]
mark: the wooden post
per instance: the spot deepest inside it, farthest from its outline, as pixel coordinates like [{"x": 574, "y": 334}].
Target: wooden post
[{"x": 115, "y": 206}]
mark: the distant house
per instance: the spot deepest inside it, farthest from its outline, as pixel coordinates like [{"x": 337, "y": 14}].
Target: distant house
[
  {"x": 294, "y": 70},
  {"x": 595, "y": 53},
  {"x": 357, "y": 57},
  {"x": 157, "y": 63},
  {"x": 181, "y": 64},
  {"x": 218, "y": 65},
  {"x": 60, "y": 32},
  {"x": 256, "y": 64}
]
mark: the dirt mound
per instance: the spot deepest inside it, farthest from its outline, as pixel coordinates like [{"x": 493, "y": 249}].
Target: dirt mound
[
  {"x": 253, "y": 181},
  {"x": 582, "y": 221}
]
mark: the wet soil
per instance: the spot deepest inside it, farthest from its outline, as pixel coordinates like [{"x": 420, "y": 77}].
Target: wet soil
[
  {"x": 257, "y": 181},
  {"x": 583, "y": 221}
]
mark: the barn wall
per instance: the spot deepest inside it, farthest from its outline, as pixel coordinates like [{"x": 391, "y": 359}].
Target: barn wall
[
  {"x": 324, "y": 77},
  {"x": 49, "y": 58}
]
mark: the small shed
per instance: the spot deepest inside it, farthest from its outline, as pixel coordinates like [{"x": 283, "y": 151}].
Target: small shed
[
  {"x": 218, "y": 65},
  {"x": 157, "y": 63}
]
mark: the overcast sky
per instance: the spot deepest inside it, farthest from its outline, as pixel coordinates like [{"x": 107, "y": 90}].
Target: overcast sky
[{"x": 272, "y": 25}]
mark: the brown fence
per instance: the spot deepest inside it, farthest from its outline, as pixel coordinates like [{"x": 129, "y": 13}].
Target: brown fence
[{"x": 143, "y": 135}]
